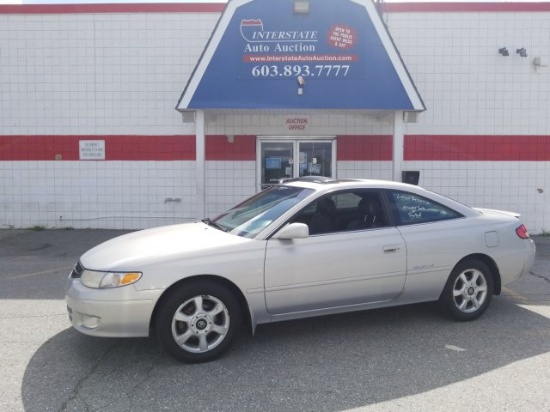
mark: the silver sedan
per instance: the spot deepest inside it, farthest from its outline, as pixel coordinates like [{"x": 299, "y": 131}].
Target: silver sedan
[{"x": 302, "y": 248}]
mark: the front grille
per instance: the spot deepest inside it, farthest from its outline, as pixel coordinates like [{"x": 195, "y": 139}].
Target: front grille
[{"x": 77, "y": 271}]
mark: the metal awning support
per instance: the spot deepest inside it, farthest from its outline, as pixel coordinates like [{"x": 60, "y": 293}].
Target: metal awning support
[
  {"x": 398, "y": 145},
  {"x": 200, "y": 162}
]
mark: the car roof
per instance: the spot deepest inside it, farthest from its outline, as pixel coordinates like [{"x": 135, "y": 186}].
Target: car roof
[
  {"x": 325, "y": 185},
  {"x": 322, "y": 183}
]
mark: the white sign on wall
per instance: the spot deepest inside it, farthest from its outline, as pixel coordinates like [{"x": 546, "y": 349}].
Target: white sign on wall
[{"x": 92, "y": 149}]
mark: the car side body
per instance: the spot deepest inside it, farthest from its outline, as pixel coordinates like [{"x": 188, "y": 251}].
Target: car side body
[{"x": 411, "y": 242}]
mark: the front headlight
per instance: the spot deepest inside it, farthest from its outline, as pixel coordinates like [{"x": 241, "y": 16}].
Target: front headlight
[{"x": 103, "y": 280}]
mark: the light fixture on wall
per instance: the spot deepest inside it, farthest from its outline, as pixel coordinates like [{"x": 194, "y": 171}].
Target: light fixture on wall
[
  {"x": 538, "y": 62},
  {"x": 522, "y": 52},
  {"x": 301, "y": 82},
  {"x": 188, "y": 116},
  {"x": 410, "y": 117},
  {"x": 504, "y": 51},
  {"x": 301, "y": 6}
]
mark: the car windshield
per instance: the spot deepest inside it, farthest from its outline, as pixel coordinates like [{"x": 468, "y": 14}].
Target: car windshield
[{"x": 250, "y": 217}]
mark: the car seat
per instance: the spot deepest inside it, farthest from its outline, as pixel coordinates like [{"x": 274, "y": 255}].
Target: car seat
[
  {"x": 323, "y": 220},
  {"x": 370, "y": 214}
]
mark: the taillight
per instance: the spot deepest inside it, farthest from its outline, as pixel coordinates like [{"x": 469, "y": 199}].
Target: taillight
[{"x": 522, "y": 232}]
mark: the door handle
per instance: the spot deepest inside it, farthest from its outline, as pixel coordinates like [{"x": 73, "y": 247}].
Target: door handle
[{"x": 391, "y": 249}]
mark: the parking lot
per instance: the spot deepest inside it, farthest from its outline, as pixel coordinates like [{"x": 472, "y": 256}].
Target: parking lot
[{"x": 401, "y": 359}]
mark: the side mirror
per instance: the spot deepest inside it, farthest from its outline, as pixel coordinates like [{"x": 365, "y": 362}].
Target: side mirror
[{"x": 293, "y": 231}]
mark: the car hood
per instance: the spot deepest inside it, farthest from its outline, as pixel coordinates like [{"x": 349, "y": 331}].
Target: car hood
[{"x": 131, "y": 251}]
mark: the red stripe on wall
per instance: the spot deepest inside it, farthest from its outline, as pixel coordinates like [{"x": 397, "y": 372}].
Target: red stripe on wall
[
  {"x": 464, "y": 7},
  {"x": 480, "y": 148},
  {"x": 243, "y": 148},
  {"x": 222, "y": 148},
  {"x": 15, "y": 148},
  {"x": 150, "y": 148},
  {"x": 112, "y": 8},
  {"x": 423, "y": 7},
  {"x": 367, "y": 147}
]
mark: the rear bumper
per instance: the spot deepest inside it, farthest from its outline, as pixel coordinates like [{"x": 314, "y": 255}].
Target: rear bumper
[{"x": 513, "y": 267}]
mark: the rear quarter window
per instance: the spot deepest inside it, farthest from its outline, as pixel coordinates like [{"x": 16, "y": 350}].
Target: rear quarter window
[{"x": 410, "y": 209}]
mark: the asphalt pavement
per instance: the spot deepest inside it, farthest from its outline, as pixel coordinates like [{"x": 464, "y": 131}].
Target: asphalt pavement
[{"x": 401, "y": 359}]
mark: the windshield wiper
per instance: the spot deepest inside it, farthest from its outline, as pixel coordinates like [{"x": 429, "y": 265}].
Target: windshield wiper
[{"x": 214, "y": 224}]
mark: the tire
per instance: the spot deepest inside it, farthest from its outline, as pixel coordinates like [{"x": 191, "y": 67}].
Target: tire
[
  {"x": 468, "y": 291},
  {"x": 198, "y": 321}
]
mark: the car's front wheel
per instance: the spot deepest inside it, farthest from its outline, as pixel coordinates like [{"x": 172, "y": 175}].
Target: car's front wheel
[
  {"x": 198, "y": 321},
  {"x": 468, "y": 291}
]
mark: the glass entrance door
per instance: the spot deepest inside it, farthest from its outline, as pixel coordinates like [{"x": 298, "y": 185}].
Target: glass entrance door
[
  {"x": 315, "y": 159},
  {"x": 285, "y": 158},
  {"x": 277, "y": 160}
]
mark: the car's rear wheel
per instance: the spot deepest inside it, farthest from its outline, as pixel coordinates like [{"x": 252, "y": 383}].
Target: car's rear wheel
[
  {"x": 468, "y": 291},
  {"x": 197, "y": 322}
]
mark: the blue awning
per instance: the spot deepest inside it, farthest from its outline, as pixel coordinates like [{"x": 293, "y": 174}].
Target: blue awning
[{"x": 321, "y": 55}]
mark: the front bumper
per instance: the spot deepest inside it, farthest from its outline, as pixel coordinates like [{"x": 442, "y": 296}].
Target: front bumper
[{"x": 118, "y": 313}]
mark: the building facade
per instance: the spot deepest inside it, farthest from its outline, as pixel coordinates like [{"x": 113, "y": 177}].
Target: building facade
[{"x": 90, "y": 136}]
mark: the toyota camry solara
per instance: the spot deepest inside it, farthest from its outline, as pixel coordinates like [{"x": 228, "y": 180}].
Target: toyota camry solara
[{"x": 307, "y": 247}]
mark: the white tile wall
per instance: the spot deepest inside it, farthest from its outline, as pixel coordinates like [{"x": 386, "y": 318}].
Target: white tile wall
[
  {"x": 522, "y": 187},
  {"x": 467, "y": 86},
  {"x": 116, "y": 74},
  {"x": 97, "y": 73},
  {"x": 318, "y": 125},
  {"x": 228, "y": 183},
  {"x": 364, "y": 170},
  {"x": 117, "y": 195}
]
